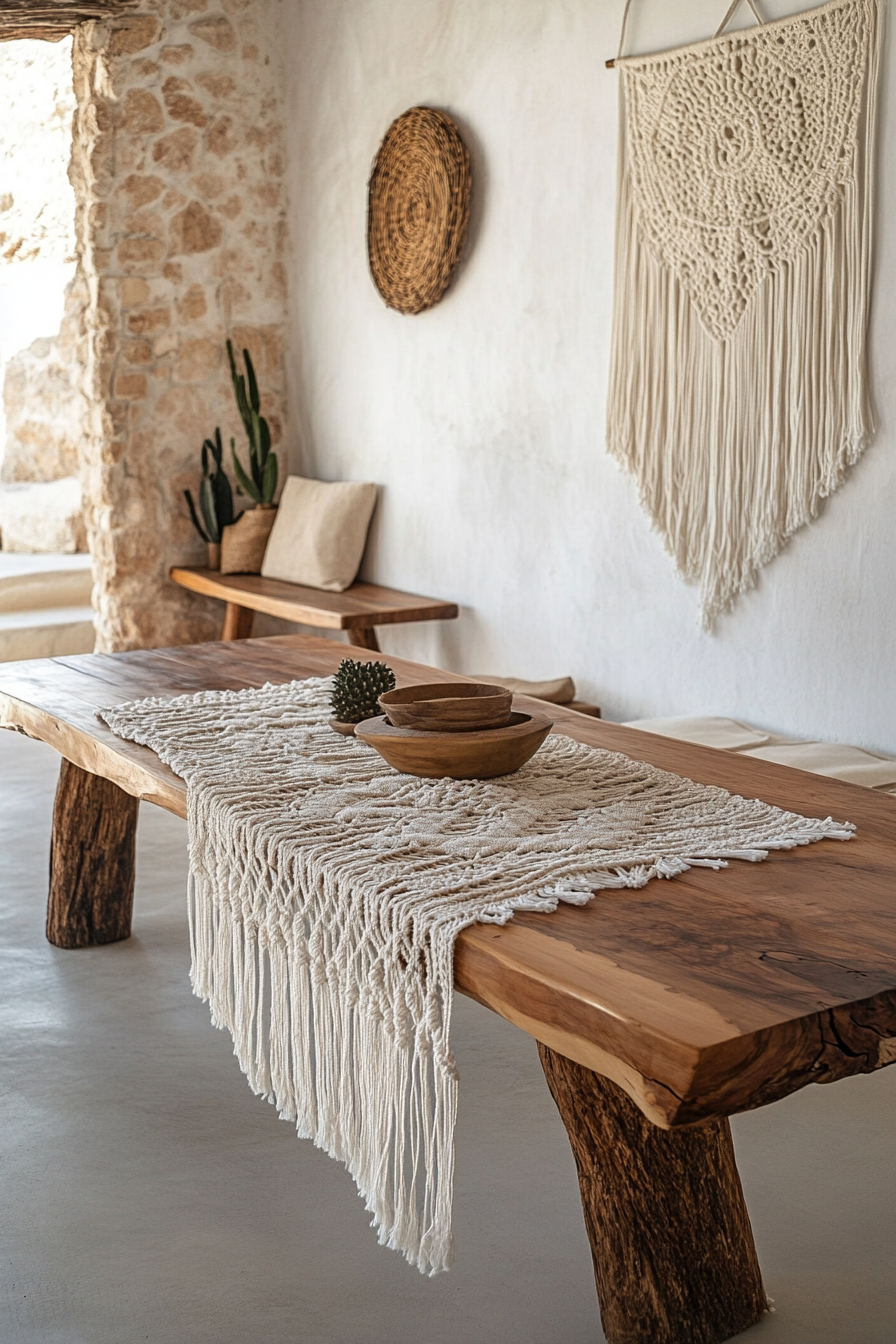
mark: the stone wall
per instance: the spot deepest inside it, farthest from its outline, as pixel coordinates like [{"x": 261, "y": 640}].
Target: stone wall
[{"x": 178, "y": 171}]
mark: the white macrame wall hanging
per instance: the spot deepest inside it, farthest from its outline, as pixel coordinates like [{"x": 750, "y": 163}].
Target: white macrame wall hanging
[{"x": 739, "y": 380}]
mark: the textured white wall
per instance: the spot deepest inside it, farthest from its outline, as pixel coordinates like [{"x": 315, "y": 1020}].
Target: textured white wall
[{"x": 483, "y": 418}]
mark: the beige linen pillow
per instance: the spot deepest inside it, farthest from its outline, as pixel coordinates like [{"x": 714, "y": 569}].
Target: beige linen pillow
[{"x": 319, "y": 535}]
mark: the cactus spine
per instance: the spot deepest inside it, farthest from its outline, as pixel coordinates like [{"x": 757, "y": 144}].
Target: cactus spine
[{"x": 356, "y": 689}]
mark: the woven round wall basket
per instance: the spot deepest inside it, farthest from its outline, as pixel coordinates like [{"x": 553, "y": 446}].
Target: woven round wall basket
[{"x": 418, "y": 205}]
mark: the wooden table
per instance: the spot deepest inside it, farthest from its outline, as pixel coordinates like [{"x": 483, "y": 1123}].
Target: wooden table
[
  {"x": 357, "y": 611},
  {"x": 658, "y": 1012}
]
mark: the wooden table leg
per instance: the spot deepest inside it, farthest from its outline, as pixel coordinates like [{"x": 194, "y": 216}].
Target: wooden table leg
[
  {"x": 237, "y": 621},
  {"x": 363, "y": 637},
  {"x": 91, "y": 860},
  {"x": 670, "y": 1236}
]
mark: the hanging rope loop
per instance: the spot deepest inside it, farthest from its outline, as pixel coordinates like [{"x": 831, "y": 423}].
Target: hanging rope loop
[{"x": 732, "y": 10}]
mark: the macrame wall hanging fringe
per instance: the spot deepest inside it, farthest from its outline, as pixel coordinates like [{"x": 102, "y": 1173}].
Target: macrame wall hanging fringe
[{"x": 739, "y": 376}]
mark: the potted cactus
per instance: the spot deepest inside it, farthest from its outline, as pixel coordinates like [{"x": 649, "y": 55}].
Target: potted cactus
[
  {"x": 244, "y": 546},
  {"x": 215, "y": 500},
  {"x": 357, "y": 687}
]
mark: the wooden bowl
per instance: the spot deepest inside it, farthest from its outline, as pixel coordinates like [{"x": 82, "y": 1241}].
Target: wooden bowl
[
  {"x": 473, "y": 755},
  {"x": 340, "y": 726},
  {"x": 448, "y": 706}
]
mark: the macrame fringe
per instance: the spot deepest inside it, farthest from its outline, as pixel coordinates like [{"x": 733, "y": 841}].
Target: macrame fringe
[{"x": 735, "y": 443}]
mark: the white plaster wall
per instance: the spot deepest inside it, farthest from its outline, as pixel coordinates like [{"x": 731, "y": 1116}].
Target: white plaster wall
[{"x": 483, "y": 418}]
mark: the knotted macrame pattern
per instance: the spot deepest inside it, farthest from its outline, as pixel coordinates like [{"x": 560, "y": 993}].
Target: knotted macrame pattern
[
  {"x": 327, "y": 891},
  {"x": 739, "y": 385}
]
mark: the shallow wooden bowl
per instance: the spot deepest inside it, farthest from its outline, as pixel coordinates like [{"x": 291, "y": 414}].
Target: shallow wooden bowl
[
  {"x": 480, "y": 754},
  {"x": 340, "y": 726},
  {"x": 448, "y": 706}
]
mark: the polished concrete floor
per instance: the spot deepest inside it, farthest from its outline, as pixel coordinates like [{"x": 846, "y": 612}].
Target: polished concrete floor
[{"x": 149, "y": 1196}]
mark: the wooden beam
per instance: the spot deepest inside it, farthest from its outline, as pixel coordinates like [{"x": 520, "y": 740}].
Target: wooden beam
[{"x": 51, "y": 21}]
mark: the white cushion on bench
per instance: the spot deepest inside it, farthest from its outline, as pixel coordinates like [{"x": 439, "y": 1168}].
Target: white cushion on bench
[
  {"x": 708, "y": 731},
  {"x": 853, "y": 765},
  {"x": 560, "y": 691}
]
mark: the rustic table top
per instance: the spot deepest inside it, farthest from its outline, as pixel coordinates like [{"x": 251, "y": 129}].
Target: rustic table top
[{"x": 702, "y": 996}]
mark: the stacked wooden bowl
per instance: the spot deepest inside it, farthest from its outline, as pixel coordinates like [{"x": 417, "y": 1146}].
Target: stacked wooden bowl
[{"x": 452, "y": 730}]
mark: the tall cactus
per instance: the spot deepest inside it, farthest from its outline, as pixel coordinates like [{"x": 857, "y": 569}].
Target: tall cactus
[
  {"x": 215, "y": 494},
  {"x": 260, "y": 481}
]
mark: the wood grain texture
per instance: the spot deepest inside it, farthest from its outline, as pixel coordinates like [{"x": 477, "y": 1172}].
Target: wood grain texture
[
  {"x": 361, "y": 606},
  {"x": 475, "y": 755},
  {"x": 673, "y": 1252},
  {"x": 363, "y": 637},
  {"x": 703, "y": 996},
  {"x": 448, "y": 707},
  {"x": 238, "y": 621},
  {"x": 49, "y": 22},
  {"x": 445, "y": 707},
  {"x": 583, "y": 707},
  {"x": 92, "y": 856}
]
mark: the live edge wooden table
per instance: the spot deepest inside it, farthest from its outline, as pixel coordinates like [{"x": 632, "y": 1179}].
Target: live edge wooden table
[{"x": 658, "y": 1013}]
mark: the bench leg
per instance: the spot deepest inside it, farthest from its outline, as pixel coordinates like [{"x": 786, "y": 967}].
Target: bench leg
[
  {"x": 671, "y": 1241},
  {"x": 237, "y": 621},
  {"x": 92, "y": 855},
  {"x": 363, "y": 637}
]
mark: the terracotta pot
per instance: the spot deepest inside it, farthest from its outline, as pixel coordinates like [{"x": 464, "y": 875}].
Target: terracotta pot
[
  {"x": 214, "y": 554},
  {"x": 244, "y": 543}
]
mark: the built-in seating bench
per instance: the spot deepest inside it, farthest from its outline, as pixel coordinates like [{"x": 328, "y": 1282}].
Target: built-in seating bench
[{"x": 358, "y": 610}]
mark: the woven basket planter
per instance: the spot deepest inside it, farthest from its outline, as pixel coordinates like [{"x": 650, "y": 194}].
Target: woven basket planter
[
  {"x": 418, "y": 206},
  {"x": 244, "y": 542}
]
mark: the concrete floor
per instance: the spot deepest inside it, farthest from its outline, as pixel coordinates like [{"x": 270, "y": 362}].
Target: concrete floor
[{"x": 149, "y": 1196}]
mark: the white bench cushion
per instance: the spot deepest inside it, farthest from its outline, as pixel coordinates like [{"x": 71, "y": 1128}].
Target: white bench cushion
[{"x": 854, "y": 765}]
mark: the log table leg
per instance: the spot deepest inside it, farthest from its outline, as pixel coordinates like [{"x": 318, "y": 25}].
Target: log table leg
[
  {"x": 237, "y": 621},
  {"x": 671, "y": 1241},
  {"x": 363, "y": 637},
  {"x": 91, "y": 860}
]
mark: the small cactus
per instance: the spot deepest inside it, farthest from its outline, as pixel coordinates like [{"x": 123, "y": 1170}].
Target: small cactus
[
  {"x": 356, "y": 688},
  {"x": 215, "y": 495}
]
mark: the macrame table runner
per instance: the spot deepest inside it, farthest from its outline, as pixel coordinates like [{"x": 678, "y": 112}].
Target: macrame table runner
[
  {"x": 739, "y": 382},
  {"x": 327, "y": 891}
]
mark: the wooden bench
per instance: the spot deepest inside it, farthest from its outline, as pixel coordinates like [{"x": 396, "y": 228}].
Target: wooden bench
[{"x": 357, "y": 611}]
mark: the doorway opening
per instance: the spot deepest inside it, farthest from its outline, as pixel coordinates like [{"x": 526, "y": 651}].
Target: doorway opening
[{"x": 45, "y": 577}]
